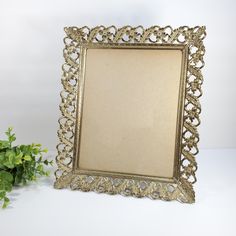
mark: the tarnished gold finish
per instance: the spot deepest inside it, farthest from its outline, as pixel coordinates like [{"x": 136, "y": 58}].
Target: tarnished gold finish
[{"x": 181, "y": 188}]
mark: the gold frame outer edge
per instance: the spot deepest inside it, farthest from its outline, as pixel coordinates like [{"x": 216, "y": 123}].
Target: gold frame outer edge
[{"x": 180, "y": 188}]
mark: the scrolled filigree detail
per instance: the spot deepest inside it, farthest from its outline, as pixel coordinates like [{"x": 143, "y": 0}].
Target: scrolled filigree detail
[{"x": 182, "y": 189}]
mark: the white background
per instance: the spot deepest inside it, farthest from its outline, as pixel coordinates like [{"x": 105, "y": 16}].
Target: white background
[{"x": 31, "y": 34}]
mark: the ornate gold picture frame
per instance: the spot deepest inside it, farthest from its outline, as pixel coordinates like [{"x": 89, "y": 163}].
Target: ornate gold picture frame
[{"x": 130, "y": 111}]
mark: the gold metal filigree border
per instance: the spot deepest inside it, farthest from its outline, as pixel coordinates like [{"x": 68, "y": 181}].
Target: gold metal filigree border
[{"x": 182, "y": 188}]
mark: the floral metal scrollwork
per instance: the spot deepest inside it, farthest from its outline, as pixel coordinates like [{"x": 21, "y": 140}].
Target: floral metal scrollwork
[{"x": 182, "y": 189}]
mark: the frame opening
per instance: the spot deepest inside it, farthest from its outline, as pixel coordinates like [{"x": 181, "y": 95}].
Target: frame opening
[{"x": 130, "y": 98}]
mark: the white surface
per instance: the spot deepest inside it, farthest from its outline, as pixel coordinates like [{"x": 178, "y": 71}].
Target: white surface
[
  {"x": 31, "y": 58},
  {"x": 41, "y": 210}
]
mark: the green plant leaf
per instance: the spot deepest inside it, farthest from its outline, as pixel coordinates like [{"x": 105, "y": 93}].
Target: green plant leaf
[
  {"x": 4, "y": 144},
  {"x": 2, "y": 159},
  {"x": 9, "y": 159},
  {"x": 40, "y": 168},
  {"x": 2, "y": 194},
  {"x": 6, "y": 202},
  {"x": 6, "y": 181},
  {"x": 18, "y": 158},
  {"x": 27, "y": 158},
  {"x": 6, "y": 176},
  {"x": 45, "y": 150},
  {"x": 11, "y": 136}
]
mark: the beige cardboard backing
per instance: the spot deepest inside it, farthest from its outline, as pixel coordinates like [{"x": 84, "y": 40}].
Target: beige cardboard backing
[{"x": 130, "y": 111}]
